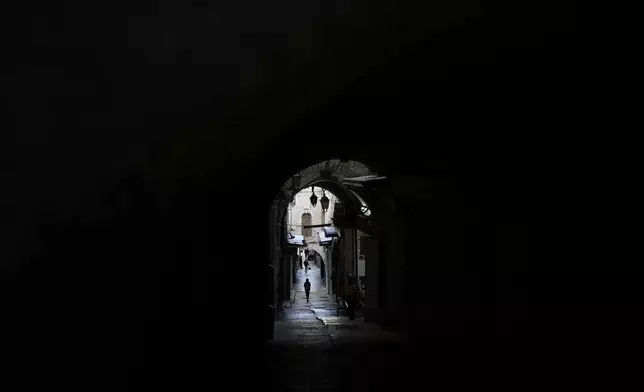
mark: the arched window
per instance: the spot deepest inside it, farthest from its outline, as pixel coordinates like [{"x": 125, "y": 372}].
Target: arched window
[{"x": 306, "y": 221}]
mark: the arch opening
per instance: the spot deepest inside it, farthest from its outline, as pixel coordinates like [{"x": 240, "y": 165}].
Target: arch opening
[{"x": 327, "y": 204}]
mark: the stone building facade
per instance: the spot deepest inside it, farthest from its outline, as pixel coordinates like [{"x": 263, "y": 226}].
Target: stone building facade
[{"x": 301, "y": 213}]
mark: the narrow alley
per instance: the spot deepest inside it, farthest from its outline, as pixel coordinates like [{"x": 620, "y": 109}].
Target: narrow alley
[{"x": 299, "y": 323}]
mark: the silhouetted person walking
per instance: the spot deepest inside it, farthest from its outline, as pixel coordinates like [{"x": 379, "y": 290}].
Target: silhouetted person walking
[
  {"x": 306, "y": 266},
  {"x": 307, "y": 289}
]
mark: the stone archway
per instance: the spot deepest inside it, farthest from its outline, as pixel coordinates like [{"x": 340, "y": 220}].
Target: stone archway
[
  {"x": 333, "y": 170},
  {"x": 342, "y": 177},
  {"x": 318, "y": 249}
]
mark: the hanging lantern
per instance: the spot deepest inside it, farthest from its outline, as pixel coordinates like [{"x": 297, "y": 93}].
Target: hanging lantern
[
  {"x": 314, "y": 199},
  {"x": 324, "y": 201}
]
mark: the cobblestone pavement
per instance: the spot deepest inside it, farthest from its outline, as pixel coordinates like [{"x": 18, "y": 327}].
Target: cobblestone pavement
[
  {"x": 298, "y": 324},
  {"x": 314, "y": 350},
  {"x": 317, "y": 321}
]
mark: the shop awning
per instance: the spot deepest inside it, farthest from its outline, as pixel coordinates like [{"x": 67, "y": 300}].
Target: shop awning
[
  {"x": 296, "y": 240},
  {"x": 323, "y": 239}
]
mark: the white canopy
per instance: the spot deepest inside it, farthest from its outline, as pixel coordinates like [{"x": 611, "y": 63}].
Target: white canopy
[
  {"x": 296, "y": 240},
  {"x": 323, "y": 239}
]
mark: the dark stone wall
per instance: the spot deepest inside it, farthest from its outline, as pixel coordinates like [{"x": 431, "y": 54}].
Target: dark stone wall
[{"x": 132, "y": 133}]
